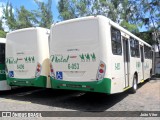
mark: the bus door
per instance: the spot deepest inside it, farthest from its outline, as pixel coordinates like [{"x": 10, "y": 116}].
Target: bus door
[
  {"x": 126, "y": 60},
  {"x": 142, "y": 60}
]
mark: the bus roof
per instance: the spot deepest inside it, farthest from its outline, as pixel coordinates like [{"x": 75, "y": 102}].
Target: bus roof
[
  {"x": 2, "y": 40},
  {"x": 27, "y": 29},
  {"x": 106, "y": 19}
]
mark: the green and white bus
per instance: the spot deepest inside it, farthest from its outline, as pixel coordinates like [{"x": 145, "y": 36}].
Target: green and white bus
[
  {"x": 27, "y": 57},
  {"x": 95, "y": 54},
  {"x": 3, "y": 81}
]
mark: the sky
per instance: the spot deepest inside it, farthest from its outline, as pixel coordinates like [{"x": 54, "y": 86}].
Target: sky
[{"x": 30, "y": 5}]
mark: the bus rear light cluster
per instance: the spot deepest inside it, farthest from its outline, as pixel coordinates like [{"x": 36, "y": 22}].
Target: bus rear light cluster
[
  {"x": 52, "y": 71},
  {"x": 101, "y": 71},
  {"x": 38, "y": 70}
]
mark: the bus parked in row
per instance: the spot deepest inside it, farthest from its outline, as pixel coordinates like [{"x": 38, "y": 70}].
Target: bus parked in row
[
  {"x": 95, "y": 54},
  {"x": 3, "y": 81},
  {"x": 27, "y": 57}
]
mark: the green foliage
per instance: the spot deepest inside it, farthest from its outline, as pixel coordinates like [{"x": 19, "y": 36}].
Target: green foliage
[
  {"x": 130, "y": 27},
  {"x": 44, "y": 14},
  {"x": 1, "y": 28},
  {"x": 130, "y": 14},
  {"x": 151, "y": 13},
  {"x": 2, "y": 34},
  {"x": 9, "y": 17},
  {"x": 67, "y": 9},
  {"x": 146, "y": 36},
  {"x": 25, "y": 18}
]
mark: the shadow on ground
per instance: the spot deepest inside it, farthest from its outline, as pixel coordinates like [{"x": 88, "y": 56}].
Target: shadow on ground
[{"x": 73, "y": 100}]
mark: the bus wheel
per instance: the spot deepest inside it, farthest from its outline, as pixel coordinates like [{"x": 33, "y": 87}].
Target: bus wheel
[
  {"x": 134, "y": 86},
  {"x": 150, "y": 74}
]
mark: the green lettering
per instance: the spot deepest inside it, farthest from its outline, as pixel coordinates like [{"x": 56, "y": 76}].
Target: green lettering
[{"x": 117, "y": 66}]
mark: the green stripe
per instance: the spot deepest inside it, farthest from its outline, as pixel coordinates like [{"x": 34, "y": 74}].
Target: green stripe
[
  {"x": 2, "y": 72},
  {"x": 102, "y": 86},
  {"x": 35, "y": 82}
]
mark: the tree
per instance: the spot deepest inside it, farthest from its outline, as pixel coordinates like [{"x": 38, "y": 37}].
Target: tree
[
  {"x": 9, "y": 16},
  {"x": 2, "y": 33},
  {"x": 25, "y": 18},
  {"x": 122, "y": 12},
  {"x": 44, "y": 14},
  {"x": 151, "y": 14},
  {"x": 67, "y": 9},
  {"x": 151, "y": 18}
]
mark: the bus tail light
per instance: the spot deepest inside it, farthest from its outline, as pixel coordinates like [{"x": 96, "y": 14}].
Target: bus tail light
[
  {"x": 38, "y": 70},
  {"x": 52, "y": 71},
  {"x": 101, "y": 71}
]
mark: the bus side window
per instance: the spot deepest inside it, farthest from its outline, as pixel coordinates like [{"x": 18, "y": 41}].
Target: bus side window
[
  {"x": 148, "y": 52},
  {"x": 134, "y": 47},
  {"x": 116, "y": 41}
]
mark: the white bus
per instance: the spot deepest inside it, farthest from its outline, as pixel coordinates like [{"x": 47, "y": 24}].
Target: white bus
[
  {"x": 95, "y": 54},
  {"x": 27, "y": 57},
  {"x": 3, "y": 81}
]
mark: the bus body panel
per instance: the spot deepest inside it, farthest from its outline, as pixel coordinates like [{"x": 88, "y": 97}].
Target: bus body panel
[
  {"x": 26, "y": 51},
  {"x": 61, "y": 56},
  {"x": 3, "y": 81},
  {"x": 77, "y": 59}
]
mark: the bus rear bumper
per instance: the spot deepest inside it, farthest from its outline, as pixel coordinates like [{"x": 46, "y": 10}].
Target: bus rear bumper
[
  {"x": 35, "y": 82},
  {"x": 102, "y": 86}
]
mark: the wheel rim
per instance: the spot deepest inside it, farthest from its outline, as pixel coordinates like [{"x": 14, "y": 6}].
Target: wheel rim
[{"x": 135, "y": 84}]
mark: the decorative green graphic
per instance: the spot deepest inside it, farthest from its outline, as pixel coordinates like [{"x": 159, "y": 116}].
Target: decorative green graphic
[
  {"x": 29, "y": 59},
  {"x": 87, "y": 57},
  {"x": 11, "y": 60},
  {"x": 21, "y": 66},
  {"x": 138, "y": 64},
  {"x": 59, "y": 59},
  {"x": 93, "y": 57},
  {"x": 82, "y": 57},
  {"x": 62, "y": 59},
  {"x": 117, "y": 66},
  {"x": 146, "y": 66},
  {"x": 74, "y": 66}
]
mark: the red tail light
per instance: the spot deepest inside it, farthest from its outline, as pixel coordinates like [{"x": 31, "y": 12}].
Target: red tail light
[
  {"x": 52, "y": 71},
  {"x": 101, "y": 71},
  {"x": 38, "y": 70}
]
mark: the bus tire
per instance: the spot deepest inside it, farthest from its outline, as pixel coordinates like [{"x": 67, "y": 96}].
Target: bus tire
[
  {"x": 150, "y": 74},
  {"x": 135, "y": 85}
]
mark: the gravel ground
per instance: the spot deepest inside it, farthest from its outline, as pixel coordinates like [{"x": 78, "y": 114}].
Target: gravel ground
[{"x": 147, "y": 98}]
